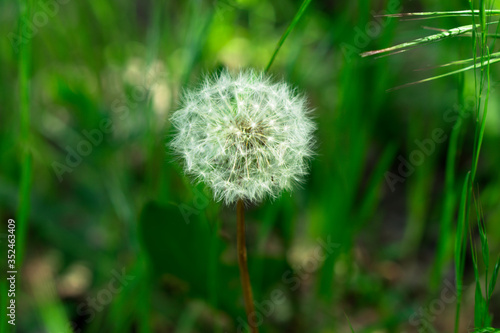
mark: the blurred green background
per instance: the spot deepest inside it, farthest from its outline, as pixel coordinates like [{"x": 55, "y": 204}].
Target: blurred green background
[{"x": 119, "y": 240}]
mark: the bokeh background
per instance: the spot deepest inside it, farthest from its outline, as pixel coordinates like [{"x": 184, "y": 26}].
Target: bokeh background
[{"x": 119, "y": 240}]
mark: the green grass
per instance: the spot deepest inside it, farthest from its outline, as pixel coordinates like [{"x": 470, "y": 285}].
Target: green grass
[
  {"x": 482, "y": 317},
  {"x": 119, "y": 208},
  {"x": 294, "y": 22}
]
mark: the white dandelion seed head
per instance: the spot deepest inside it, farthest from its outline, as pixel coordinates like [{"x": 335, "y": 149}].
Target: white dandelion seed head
[{"x": 244, "y": 136}]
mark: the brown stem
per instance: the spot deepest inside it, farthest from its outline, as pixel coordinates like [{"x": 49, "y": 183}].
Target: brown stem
[{"x": 242, "y": 262}]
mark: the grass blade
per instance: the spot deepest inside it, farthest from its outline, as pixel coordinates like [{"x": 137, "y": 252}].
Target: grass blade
[
  {"x": 420, "y": 41},
  {"x": 478, "y": 295},
  {"x": 424, "y": 40},
  {"x": 460, "y": 245},
  {"x": 370, "y": 200},
  {"x": 480, "y": 136},
  {"x": 349, "y": 322},
  {"x": 441, "y": 14},
  {"x": 460, "y": 62},
  {"x": 475, "y": 66},
  {"x": 493, "y": 280},
  {"x": 294, "y": 22},
  {"x": 450, "y": 198}
]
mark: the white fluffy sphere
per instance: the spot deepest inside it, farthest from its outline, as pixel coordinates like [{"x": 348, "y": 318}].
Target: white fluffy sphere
[{"x": 243, "y": 136}]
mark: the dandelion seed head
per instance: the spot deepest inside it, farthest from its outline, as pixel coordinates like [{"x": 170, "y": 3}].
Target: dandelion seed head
[{"x": 244, "y": 136}]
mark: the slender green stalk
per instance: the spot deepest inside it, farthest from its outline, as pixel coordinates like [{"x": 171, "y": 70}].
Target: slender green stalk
[
  {"x": 466, "y": 61},
  {"x": 294, "y": 22},
  {"x": 420, "y": 41},
  {"x": 461, "y": 238},
  {"x": 481, "y": 123},
  {"x": 451, "y": 13},
  {"x": 198, "y": 29},
  {"x": 474, "y": 66},
  {"x": 480, "y": 313},
  {"x": 242, "y": 263},
  {"x": 445, "y": 235},
  {"x": 460, "y": 246}
]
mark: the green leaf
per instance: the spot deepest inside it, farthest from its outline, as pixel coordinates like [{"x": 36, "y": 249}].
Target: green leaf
[{"x": 493, "y": 280}]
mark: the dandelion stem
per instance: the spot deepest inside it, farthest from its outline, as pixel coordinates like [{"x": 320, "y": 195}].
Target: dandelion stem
[{"x": 242, "y": 262}]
